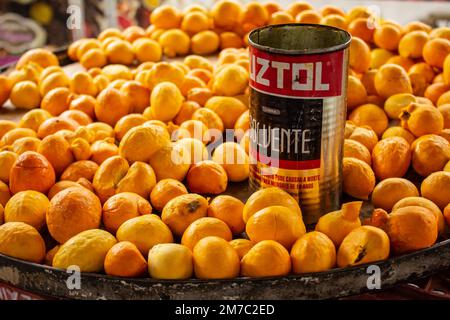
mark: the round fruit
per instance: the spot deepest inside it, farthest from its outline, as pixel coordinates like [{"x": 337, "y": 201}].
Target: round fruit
[
  {"x": 205, "y": 227},
  {"x": 125, "y": 260},
  {"x": 358, "y": 178},
  {"x": 170, "y": 261},
  {"x": 72, "y": 211},
  {"x": 207, "y": 177},
  {"x": 228, "y": 209},
  {"x": 29, "y": 207},
  {"x": 267, "y": 258},
  {"x": 389, "y": 191}
]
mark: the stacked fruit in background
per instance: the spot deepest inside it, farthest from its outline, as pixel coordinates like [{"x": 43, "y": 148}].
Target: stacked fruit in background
[{"x": 113, "y": 167}]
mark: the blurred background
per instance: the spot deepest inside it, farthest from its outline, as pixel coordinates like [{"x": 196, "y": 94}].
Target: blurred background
[{"x": 25, "y": 24}]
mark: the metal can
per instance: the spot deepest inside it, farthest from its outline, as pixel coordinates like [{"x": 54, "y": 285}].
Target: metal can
[{"x": 298, "y": 82}]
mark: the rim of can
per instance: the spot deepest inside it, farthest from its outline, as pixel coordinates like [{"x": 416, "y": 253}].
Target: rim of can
[{"x": 334, "y": 48}]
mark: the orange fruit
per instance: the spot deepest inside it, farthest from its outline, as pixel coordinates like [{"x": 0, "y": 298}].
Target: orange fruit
[
  {"x": 334, "y": 20},
  {"x": 355, "y": 149},
  {"x": 215, "y": 258},
  {"x": 174, "y": 42},
  {"x": 133, "y": 33},
  {"x": 228, "y": 209},
  {"x": 435, "y": 51},
  {"x": 57, "y": 101},
  {"x": 5, "y": 90},
  {"x": 296, "y": 7},
  {"x": 387, "y": 37},
  {"x": 361, "y": 28},
  {"x": 25, "y": 95},
  {"x": 72, "y": 211},
  {"x": 280, "y": 17},
  {"x": 398, "y": 131},
  {"x": 435, "y": 91},
  {"x": 363, "y": 245},
  {"x": 147, "y": 50},
  {"x": 415, "y": 115},
  {"x": 122, "y": 207},
  {"x": 57, "y": 151},
  {"x": 358, "y": 178},
  {"x": 22, "y": 241},
  {"x": 31, "y": 171},
  {"x": 391, "y": 79},
  {"x": 370, "y": 115},
  {"x": 267, "y": 258},
  {"x": 29, "y": 207},
  {"x": 356, "y": 93},
  {"x": 41, "y": 57},
  {"x": 423, "y": 69},
  {"x": 435, "y": 188},
  {"x": 54, "y": 80},
  {"x": 83, "y": 83},
  {"x": 275, "y": 223},
  {"x": 391, "y": 157},
  {"x": 365, "y": 135},
  {"x": 226, "y": 14},
  {"x": 390, "y": 191},
  {"x": 111, "y": 105},
  {"x": 430, "y": 153},
  {"x": 412, "y": 44},
  {"x": 359, "y": 55},
  {"x": 194, "y": 22},
  {"x": 314, "y": 252},
  {"x": 205, "y": 227},
  {"x": 378, "y": 57},
  {"x": 405, "y": 63},
  {"x": 165, "y": 17},
  {"x": 207, "y": 177},
  {"x": 93, "y": 58},
  {"x": 164, "y": 191},
  {"x": 308, "y": 16},
  {"x": 125, "y": 260},
  {"x": 232, "y": 157}
]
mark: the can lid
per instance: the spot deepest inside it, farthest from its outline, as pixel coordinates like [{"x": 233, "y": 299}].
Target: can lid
[{"x": 299, "y": 38}]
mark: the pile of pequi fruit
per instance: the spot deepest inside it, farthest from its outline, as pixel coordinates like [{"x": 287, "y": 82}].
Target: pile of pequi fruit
[{"x": 112, "y": 168}]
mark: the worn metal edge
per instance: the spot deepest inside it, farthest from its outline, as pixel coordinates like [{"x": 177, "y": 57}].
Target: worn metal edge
[{"x": 324, "y": 285}]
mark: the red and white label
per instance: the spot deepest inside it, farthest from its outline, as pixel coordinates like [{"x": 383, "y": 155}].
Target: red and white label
[{"x": 303, "y": 76}]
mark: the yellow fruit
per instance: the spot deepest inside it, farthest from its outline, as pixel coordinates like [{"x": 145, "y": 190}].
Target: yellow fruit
[
  {"x": 22, "y": 241},
  {"x": 196, "y": 148},
  {"x": 233, "y": 159},
  {"x": 390, "y": 191},
  {"x": 124, "y": 260},
  {"x": 54, "y": 80},
  {"x": 93, "y": 58},
  {"x": 412, "y": 43},
  {"x": 354, "y": 149},
  {"x": 267, "y": 258},
  {"x": 430, "y": 153},
  {"x": 182, "y": 210},
  {"x": 166, "y": 101},
  {"x": 142, "y": 142},
  {"x": 391, "y": 79},
  {"x": 29, "y": 207},
  {"x": 231, "y": 80},
  {"x": 116, "y": 72},
  {"x": 34, "y": 118},
  {"x": 57, "y": 151},
  {"x": 444, "y": 99},
  {"x": 314, "y": 252},
  {"x": 338, "y": 224},
  {"x": 436, "y": 188},
  {"x": 171, "y": 161},
  {"x": 145, "y": 232},
  {"x": 378, "y": 57},
  {"x": 71, "y": 211},
  {"x": 211, "y": 120},
  {"x": 25, "y": 95},
  {"x": 174, "y": 42},
  {"x": 358, "y": 178},
  {"x": 391, "y": 157},
  {"x": 269, "y": 197},
  {"x": 415, "y": 115},
  {"x": 334, "y": 20},
  {"x": 7, "y": 160},
  {"x": 5, "y": 195},
  {"x": 363, "y": 245},
  {"x": 425, "y": 203},
  {"x": 165, "y": 72},
  {"x": 87, "y": 250},
  {"x": 170, "y": 261},
  {"x": 275, "y": 223},
  {"x": 215, "y": 258},
  {"x": 25, "y": 144},
  {"x": 394, "y": 105},
  {"x": 119, "y": 52},
  {"x": 228, "y": 209}
]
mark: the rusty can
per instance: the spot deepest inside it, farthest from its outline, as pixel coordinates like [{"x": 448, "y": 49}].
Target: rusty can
[{"x": 298, "y": 81}]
